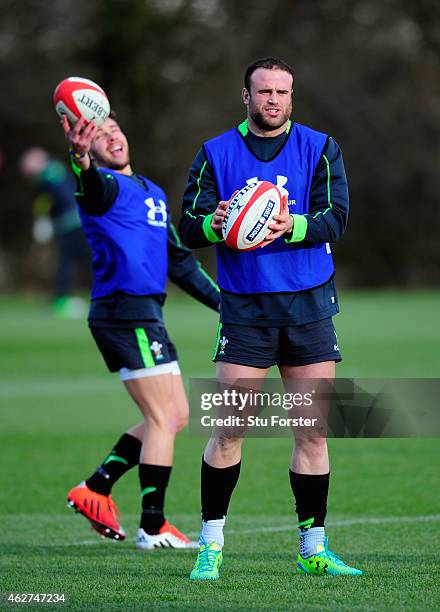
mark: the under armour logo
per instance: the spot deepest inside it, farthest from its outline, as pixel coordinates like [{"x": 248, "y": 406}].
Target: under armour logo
[
  {"x": 281, "y": 181},
  {"x": 157, "y": 212}
]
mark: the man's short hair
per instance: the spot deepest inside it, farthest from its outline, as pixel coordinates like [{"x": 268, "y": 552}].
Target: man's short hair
[{"x": 269, "y": 63}]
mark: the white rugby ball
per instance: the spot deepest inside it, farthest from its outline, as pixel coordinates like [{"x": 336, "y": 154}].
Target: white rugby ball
[
  {"x": 76, "y": 97},
  {"x": 249, "y": 214}
]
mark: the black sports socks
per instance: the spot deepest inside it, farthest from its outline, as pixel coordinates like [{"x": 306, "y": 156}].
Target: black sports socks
[
  {"x": 122, "y": 458},
  {"x": 311, "y": 492},
  {"x": 217, "y": 485},
  {"x": 154, "y": 480}
]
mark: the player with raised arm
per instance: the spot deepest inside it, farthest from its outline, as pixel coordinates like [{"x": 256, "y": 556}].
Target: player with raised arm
[
  {"x": 277, "y": 302},
  {"x": 135, "y": 247}
]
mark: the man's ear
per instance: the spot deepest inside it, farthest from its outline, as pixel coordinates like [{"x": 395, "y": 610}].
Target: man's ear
[{"x": 245, "y": 95}]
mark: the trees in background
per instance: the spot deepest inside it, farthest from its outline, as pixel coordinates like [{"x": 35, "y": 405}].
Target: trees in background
[{"x": 367, "y": 72}]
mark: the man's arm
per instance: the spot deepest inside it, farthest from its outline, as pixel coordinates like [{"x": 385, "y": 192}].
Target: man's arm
[
  {"x": 96, "y": 192},
  {"x": 187, "y": 273},
  {"x": 329, "y": 202},
  {"x": 200, "y": 202}
]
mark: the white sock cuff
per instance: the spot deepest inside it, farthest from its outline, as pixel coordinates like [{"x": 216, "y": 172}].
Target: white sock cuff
[
  {"x": 310, "y": 539},
  {"x": 212, "y": 531}
]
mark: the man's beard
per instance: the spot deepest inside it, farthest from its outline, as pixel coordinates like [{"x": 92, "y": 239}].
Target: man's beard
[
  {"x": 111, "y": 165},
  {"x": 117, "y": 165},
  {"x": 259, "y": 119}
]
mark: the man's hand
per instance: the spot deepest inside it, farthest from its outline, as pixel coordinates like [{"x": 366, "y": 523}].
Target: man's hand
[
  {"x": 80, "y": 139},
  {"x": 283, "y": 224},
  {"x": 219, "y": 215}
]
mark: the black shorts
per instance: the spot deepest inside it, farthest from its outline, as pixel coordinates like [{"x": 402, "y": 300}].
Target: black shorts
[
  {"x": 134, "y": 348},
  {"x": 262, "y": 347}
]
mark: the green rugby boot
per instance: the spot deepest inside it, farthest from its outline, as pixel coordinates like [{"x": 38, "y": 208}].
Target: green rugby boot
[
  {"x": 208, "y": 563},
  {"x": 324, "y": 561}
]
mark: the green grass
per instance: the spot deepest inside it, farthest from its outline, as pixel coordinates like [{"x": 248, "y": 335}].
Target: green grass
[{"x": 61, "y": 412}]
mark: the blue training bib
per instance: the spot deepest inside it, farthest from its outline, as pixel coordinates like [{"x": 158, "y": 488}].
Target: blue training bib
[
  {"x": 279, "y": 267},
  {"x": 129, "y": 242}
]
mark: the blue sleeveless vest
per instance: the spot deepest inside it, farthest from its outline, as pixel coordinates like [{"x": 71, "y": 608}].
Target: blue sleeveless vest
[
  {"x": 129, "y": 242},
  {"x": 279, "y": 267}
]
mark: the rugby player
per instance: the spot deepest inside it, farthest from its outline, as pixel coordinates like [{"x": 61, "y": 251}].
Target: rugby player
[
  {"x": 135, "y": 247},
  {"x": 277, "y": 303}
]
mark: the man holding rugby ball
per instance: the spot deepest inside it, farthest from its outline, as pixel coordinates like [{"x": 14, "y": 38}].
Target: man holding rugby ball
[
  {"x": 277, "y": 304},
  {"x": 135, "y": 247}
]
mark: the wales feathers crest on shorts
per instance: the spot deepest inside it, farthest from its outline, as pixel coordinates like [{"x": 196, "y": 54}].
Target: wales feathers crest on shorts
[
  {"x": 222, "y": 344},
  {"x": 156, "y": 349}
]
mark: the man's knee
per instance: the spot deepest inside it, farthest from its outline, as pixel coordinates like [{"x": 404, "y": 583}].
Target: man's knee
[
  {"x": 227, "y": 445},
  {"x": 160, "y": 422},
  {"x": 181, "y": 422},
  {"x": 312, "y": 446}
]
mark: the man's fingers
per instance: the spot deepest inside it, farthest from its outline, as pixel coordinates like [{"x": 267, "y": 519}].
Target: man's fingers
[
  {"x": 223, "y": 204},
  {"x": 89, "y": 129},
  {"x": 93, "y": 132},
  {"x": 221, "y": 212},
  {"x": 65, "y": 125},
  {"x": 274, "y": 235},
  {"x": 87, "y": 135},
  {"x": 270, "y": 238},
  {"x": 219, "y": 215},
  {"x": 77, "y": 128},
  {"x": 282, "y": 215},
  {"x": 282, "y": 224}
]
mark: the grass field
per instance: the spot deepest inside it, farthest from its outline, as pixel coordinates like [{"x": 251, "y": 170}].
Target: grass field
[{"x": 61, "y": 412}]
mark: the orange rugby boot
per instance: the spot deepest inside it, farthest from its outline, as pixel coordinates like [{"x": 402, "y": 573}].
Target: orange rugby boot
[{"x": 99, "y": 510}]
